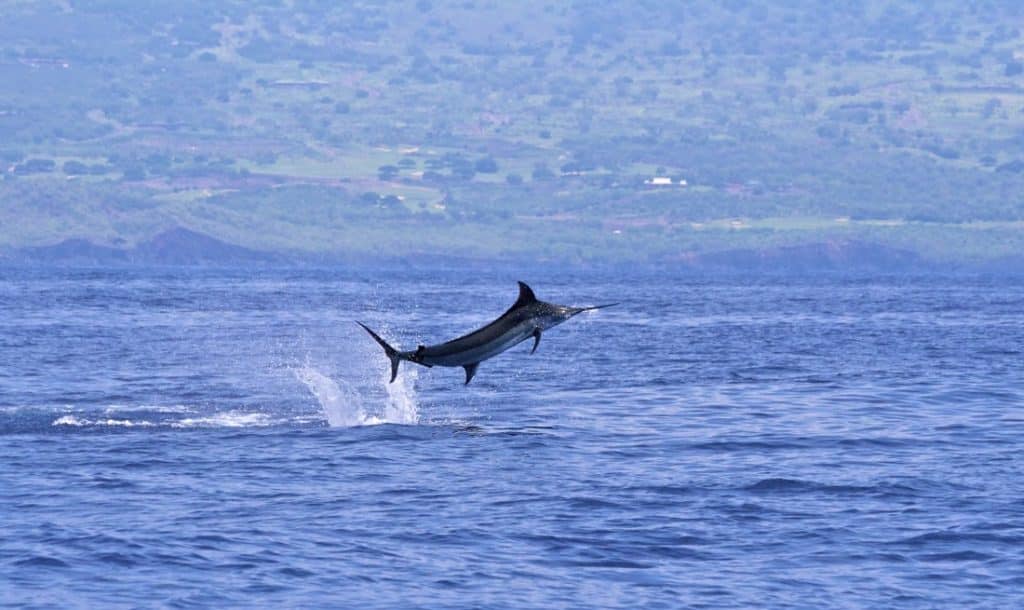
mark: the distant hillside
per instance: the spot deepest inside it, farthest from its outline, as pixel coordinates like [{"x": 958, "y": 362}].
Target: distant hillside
[
  {"x": 828, "y": 256},
  {"x": 590, "y": 131},
  {"x": 73, "y": 251},
  {"x": 184, "y": 247},
  {"x": 178, "y": 246}
]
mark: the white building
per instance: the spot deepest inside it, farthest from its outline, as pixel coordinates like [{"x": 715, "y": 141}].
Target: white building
[{"x": 664, "y": 181}]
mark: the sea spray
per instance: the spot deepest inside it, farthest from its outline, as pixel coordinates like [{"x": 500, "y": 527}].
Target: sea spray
[
  {"x": 401, "y": 407},
  {"x": 343, "y": 405}
]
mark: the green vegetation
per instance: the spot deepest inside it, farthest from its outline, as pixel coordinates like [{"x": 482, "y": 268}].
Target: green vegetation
[{"x": 497, "y": 129}]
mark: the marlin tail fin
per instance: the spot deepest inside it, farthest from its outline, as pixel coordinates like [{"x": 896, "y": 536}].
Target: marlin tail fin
[{"x": 391, "y": 352}]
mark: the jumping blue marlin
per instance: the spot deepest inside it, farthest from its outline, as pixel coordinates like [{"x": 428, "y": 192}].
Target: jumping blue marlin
[{"x": 528, "y": 317}]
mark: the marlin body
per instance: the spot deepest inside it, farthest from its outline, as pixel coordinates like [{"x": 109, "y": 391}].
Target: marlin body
[{"x": 528, "y": 317}]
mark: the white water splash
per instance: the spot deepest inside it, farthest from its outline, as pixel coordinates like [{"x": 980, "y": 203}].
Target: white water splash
[
  {"x": 71, "y": 420},
  {"x": 231, "y": 419},
  {"x": 401, "y": 407},
  {"x": 344, "y": 406}
]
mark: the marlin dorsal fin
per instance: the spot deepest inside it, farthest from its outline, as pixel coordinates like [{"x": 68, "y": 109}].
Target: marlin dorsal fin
[{"x": 526, "y": 295}]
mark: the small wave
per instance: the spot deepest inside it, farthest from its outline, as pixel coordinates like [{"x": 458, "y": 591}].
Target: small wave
[
  {"x": 230, "y": 419},
  {"x": 747, "y": 445},
  {"x": 589, "y": 503},
  {"x": 123, "y": 560},
  {"x": 71, "y": 420},
  {"x": 953, "y": 537},
  {"x": 615, "y": 563},
  {"x": 172, "y": 409},
  {"x": 956, "y": 556},
  {"x": 665, "y": 490},
  {"x": 41, "y": 561},
  {"x": 885, "y": 489},
  {"x": 782, "y": 485}
]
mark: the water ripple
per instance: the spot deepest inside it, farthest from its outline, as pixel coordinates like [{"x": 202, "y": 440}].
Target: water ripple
[{"x": 784, "y": 443}]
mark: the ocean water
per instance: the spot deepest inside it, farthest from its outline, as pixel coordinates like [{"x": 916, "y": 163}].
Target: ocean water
[{"x": 185, "y": 438}]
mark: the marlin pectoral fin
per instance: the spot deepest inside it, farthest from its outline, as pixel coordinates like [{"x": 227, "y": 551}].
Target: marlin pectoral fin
[
  {"x": 470, "y": 371},
  {"x": 536, "y": 339}
]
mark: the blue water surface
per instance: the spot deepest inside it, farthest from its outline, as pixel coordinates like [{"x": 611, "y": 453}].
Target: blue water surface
[{"x": 780, "y": 442}]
